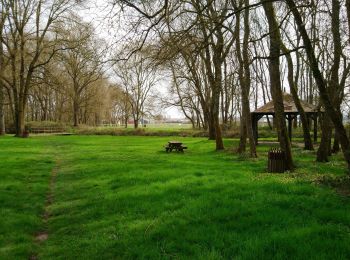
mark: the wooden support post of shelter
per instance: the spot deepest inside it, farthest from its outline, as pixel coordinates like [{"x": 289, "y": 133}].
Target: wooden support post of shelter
[
  {"x": 290, "y": 112},
  {"x": 289, "y": 118},
  {"x": 315, "y": 127},
  {"x": 255, "y": 119}
]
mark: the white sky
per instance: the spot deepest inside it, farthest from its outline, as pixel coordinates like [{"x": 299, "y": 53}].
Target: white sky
[{"x": 97, "y": 13}]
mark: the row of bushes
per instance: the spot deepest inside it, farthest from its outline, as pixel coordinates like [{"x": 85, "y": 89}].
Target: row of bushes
[
  {"x": 233, "y": 132},
  {"x": 39, "y": 124},
  {"x": 139, "y": 132}
]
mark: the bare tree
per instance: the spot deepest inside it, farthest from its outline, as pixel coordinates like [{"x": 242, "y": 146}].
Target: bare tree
[
  {"x": 185, "y": 96},
  {"x": 213, "y": 36},
  {"x": 137, "y": 76},
  {"x": 81, "y": 61},
  {"x": 331, "y": 111},
  {"x": 28, "y": 35},
  {"x": 245, "y": 82},
  {"x": 275, "y": 83},
  {"x": 3, "y": 17},
  {"x": 308, "y": 145}
]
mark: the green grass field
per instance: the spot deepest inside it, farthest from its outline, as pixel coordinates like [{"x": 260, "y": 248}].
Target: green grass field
[{"x": 125, "y": 198}]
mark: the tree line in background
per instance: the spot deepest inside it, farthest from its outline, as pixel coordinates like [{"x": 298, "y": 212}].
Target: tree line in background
[
  {"x": 52, "y": 68},
  {"x": 222, "y": 58}
]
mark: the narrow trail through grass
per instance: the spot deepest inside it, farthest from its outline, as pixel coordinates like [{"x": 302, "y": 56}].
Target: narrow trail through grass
[{"x": 43, "y": 234}]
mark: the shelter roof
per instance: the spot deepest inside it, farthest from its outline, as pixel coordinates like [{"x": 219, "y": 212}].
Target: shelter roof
[{"x": 289, "y": 106}]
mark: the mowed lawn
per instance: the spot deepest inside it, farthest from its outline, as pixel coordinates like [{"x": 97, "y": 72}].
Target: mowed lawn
[{"x": 125, "y": 198}]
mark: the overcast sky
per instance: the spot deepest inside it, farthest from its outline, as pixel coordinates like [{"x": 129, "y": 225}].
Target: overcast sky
[{"x": 98, "y": 13}]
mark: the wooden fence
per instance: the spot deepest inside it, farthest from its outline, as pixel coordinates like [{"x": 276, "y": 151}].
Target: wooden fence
[{"x": 46, "y": 130}]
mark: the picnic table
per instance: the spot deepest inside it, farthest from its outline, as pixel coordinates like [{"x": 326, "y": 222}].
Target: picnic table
[{"x": 175, "y": 145}]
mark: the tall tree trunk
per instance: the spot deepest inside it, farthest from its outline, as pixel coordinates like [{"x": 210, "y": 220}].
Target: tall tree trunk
[
  {"x": 334, "y": 84},
  {"x": 75, "y": 112},
  {"x": 136, "y": 118},
  {"x": 323, "y": 150},
  {"x": 19, "y": 117},
  {"x": 211, "y": 126},
  {"x": 242, "y": 137},
  {"x": 348, "y": 14},
  {"x": 275, "y": 81},
  {"x": 294, "y": 90},
  {"x": 215, "y": 111},
  {"x": 2, "y": 111},
  {"x": 205, "y": 120},
  {"x": 333, "y": 87},
  {"x": 213, "y": 61},
  {"x": 244, "y": 78},
  {"x": 218, "y": 140},
  {"x": 329, "y": 108},
  {"x": 247, "y": 82},
  {"x": 336, "y": 146},
  {"x": 126, "y": 114},
  {"x": 126, "y": 121},
  {"x": 3, "y": 15},
  {"x": 243, "y": 122}
]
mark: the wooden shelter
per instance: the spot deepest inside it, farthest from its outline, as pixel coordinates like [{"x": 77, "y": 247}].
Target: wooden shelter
[{"x": 290, "y": 112}]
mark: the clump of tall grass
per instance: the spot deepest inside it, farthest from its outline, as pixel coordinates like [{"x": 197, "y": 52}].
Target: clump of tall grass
[{"x": 139, "y": 132}]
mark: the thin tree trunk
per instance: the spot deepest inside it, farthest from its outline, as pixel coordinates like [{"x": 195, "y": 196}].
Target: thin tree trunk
[
  {"x": 276, "y": 88},
  {"x": 2, "y": 111},
  {"x": 215, "y": 111},
  {"x": 294, "y": 90},
  {"x": 3, "y": 16},
  {"x": 243, "y": 122},
  {"x": 329, "y": 108},
  {"x": 75, "y": 112},
  {"x": 126, "y": 121},
  {"x": 244, "y": 79},
  {"x": 247, "y": 82}
]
